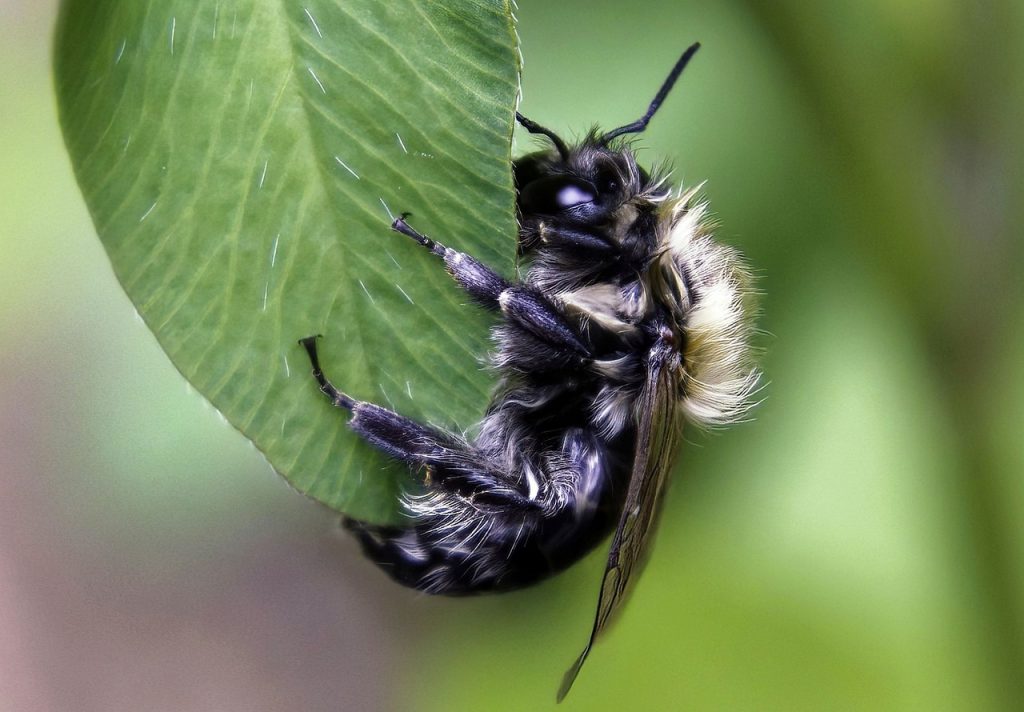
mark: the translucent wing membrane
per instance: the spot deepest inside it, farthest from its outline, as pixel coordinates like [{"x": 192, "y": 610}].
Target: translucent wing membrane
[{"x": 658, "y": 428}]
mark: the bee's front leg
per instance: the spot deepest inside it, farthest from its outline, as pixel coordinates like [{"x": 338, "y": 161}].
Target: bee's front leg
[
  {"x": 480, "y": 281},
  {"x": 524, "y": 306}
]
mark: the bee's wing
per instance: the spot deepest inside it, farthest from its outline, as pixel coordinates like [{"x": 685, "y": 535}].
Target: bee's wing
[{"x": 658, "y": 428}]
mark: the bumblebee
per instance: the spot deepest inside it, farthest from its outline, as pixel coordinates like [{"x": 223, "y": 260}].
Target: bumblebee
[{"x": 629, "y": 320}]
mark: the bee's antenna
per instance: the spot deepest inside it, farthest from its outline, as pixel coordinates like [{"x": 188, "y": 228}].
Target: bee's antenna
[
  {"x": 535, "y": 128},
  {"x": 641, "y": 123}
]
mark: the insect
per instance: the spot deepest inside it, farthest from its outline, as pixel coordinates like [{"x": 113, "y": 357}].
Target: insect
[{"x": 629, "y": 320}]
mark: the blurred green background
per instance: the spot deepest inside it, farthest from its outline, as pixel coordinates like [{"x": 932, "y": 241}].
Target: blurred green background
[{"x": 860, "y": 545}]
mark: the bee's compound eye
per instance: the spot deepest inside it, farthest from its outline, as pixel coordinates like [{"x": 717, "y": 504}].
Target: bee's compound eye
[
  {"x": 608, "y": 181},
  {"x": 553, "y": 194}
]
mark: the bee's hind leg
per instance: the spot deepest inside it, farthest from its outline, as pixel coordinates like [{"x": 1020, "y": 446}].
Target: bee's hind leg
[
  {"x": 338, "y": 399},
  {"x": 452, "y": 463}
]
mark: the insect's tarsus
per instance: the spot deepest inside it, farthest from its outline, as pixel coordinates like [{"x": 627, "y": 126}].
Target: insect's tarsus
[
  {"x": 401, "y": 226},
  {"x": 339, "y": 399},
  {"x": 483, "y": 283}
]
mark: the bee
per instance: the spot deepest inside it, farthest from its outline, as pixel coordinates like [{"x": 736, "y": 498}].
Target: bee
[{"x": 629, "y": 320}]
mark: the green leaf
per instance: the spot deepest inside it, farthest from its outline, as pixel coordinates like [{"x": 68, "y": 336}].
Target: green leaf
[{"x": 237, "y": 157}]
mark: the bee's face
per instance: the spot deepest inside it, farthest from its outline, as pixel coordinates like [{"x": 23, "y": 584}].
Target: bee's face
[{"x": 583, "y": 193}]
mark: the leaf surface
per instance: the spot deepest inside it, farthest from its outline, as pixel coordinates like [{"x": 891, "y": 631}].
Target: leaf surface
[{"x": 240, "y": 159}]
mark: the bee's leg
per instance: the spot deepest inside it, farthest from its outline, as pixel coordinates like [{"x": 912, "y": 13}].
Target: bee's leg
[
  {"x": 522, "y": 305},
  {"x": 570, "y": 238},
  {"x": 451, "y": 463},
  {"x": 480, "y": 281},
  {"x": 534, "y": 313},
  {"x": 338, "y": 399},
  {"x": 581, "y": 480}
]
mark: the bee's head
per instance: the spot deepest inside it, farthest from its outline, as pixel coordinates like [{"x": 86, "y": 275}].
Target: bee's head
[
  {"x": 581, "y": 206},
  {"x": 582, "y": 186}
]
